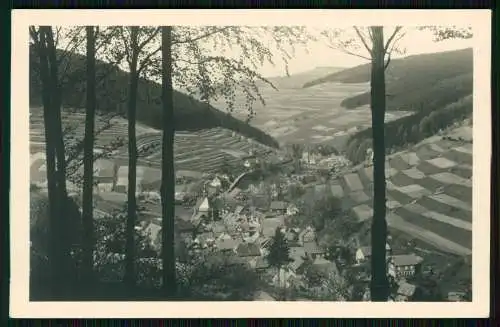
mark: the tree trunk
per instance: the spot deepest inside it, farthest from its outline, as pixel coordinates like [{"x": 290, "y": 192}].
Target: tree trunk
[
  {"x": 168, "y": 174},
  {"x": 54, "y": 262},
  {"x": 379, "y": 283},
  {"x": 88, "y": 160},
  {"x": 56, "y": 102},
  {"x": 130, "y": 274}
]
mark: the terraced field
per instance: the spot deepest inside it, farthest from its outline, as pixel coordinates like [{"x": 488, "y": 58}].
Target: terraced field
[
  {"x": 429, "y": 193},
  {"x": 312, "y": 115},
  {"x": 202, "y": 151}
]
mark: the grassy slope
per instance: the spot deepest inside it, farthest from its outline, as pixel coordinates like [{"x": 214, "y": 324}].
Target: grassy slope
[
  {"x": 428, "y": 80},
  {"x": 111, "y": 96}
]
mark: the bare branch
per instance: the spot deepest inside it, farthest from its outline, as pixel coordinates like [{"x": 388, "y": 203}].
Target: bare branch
[
  {"x": 388, "y": 60},
  {"x": 389, "y": 40},
  {"x": 363, "y": 40},
  {"x": 201, "y": 36},
  {"x": 343, "y": 49}
]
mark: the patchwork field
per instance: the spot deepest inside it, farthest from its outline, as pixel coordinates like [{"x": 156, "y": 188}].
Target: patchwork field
[
  {"x": 312, "y": 115},
  {"x": 429, "y": 193},
  {"x": 201, "y": 151}
]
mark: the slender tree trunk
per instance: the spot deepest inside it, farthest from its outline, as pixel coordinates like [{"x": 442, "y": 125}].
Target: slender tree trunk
[
  {"x": 88, "y": 161},
  {"x": 50, "y": 152},
  {"x": 56, "y": 103},
  {"x": 168, "y": 174},
  {"x": 130, "y": 274},
  {"x": 379, "y": 283}
]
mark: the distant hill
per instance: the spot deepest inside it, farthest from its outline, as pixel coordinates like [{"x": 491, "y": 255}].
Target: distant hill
[
  {"x": 189, "y": 113},
  {"x": 296, "y": 81},
  {"x": 425, "y": 81}
]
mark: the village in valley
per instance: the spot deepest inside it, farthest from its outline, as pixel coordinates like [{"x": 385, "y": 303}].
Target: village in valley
[{"x": 236, "y": 211}]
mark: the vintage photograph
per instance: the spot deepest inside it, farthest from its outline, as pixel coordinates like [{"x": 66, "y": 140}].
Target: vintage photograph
[{"x": 251, "y": 162}]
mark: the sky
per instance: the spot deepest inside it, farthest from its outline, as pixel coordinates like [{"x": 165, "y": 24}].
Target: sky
[
  {"x": 319, "y": 54},
  {"x": 415, "y": 42}
]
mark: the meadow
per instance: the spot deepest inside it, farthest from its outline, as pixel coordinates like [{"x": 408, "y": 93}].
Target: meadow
[{"x": 429, "y": 192}]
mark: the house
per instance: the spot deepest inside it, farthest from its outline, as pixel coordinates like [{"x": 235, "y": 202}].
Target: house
[
  {"x": 297, "y": 265},
  {"x": 292, "y": 210},
  {"x": 104, "y": 183},
  {"x": 202, "y": 207},
  {"x": 247, "y": 163},
  {"x": 153, "y": 231},
  {"x": 405, "y": 292},
  {"x": 329, "y": 268},
  {"x": 226, "y": 243},
  {"x": 279, "y": 207},
  {"x": 268, "y": 226},
  {"x": 313, "y": 250},
  {"x": 248, "y": 250},
  {"x": 216, "y": 182},
  {"x": 364, "y": 253},
  {"x": 205, "y": 239},
  {"x": 218, "y": 228},
  {"x": 404, "y": 265},
  {"x": 261, "y": 264},
  {"x": 307, "y": 235},
  {"x": 291, "y": 236}
]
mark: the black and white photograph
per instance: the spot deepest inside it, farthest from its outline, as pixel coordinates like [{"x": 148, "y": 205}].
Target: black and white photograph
[{"x": 227, "y": 158}]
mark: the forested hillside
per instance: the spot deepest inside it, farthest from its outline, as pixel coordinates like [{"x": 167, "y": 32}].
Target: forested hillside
[
  {"x": 112, "y": 89},
  {"x": 426, "y": 81}
]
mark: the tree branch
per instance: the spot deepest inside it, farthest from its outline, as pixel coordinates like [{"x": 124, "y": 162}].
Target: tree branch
[
  {"x": 146, "y": 41},
  {"x": 363, "y": 40},
  {"x": 388, "y": 61},
  {"x": 396, "y": 30},
  {"x": 126, "y": 45},
  {"x": 147, "y": 59},
  {"x": 201, "y": 36},
  {"x": 343, "y": 49}
]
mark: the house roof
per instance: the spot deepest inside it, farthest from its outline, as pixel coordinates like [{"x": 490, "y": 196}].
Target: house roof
[
  {"x": 297, "y": 252},
  {"x": 269, "y": 226},
  {"x": 313, "y": 248},
  {"x": 296, "y": 264},
  {"x": 406, "y": 289},
  {"x": 204, "y": 205},
  {"x": 307, "y": 235},
  {"x": 278, "y": 205},
  {"x": 226, "y": 244},
  {"x": 248, "y": 250},
  {"x": 204, "y": 237},
  {"x": 218, "y": 228},
  {"x": 261, "y": 263},
  {"x": 406, "y": 259},
  {"x": 367, "y": 250}
]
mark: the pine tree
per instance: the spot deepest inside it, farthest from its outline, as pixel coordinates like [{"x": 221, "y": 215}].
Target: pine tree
[{"x": 279, "y": 252}]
